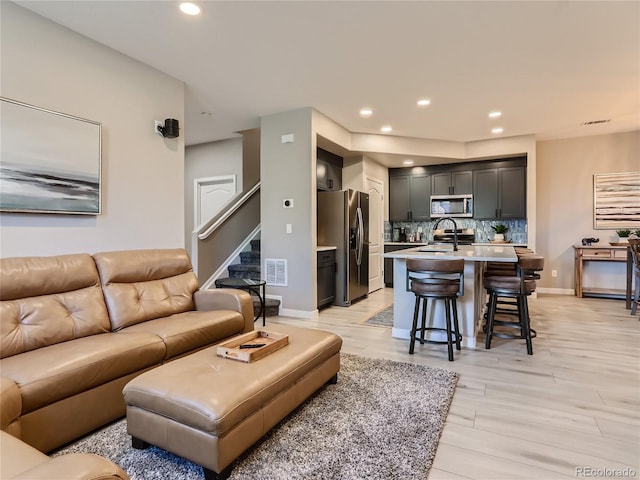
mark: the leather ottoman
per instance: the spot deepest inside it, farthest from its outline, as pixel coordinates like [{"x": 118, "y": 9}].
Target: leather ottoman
[{"x": 210, "y": 409}]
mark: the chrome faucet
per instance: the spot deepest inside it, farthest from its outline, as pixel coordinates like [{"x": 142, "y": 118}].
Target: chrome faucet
[{"x": 455, "y": 230}]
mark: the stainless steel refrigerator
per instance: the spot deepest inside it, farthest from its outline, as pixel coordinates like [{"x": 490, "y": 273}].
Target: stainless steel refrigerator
[{"x": 343, "y": 222}]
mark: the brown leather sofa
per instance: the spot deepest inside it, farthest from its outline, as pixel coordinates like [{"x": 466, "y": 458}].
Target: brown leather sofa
[
  {"x": 22, "y": 461},
  {"x": 74, "y": 329}
]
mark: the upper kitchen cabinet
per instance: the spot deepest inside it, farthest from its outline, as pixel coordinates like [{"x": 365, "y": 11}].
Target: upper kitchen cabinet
[
  {"x": 500, "y": 193},
  {"x": 328, "y": 170},
  {"x": 452, "y": 183},
  {"x": 409, "y": 197}
]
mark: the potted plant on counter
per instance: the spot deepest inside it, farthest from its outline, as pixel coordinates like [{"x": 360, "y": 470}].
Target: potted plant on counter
[
  {"x": 623, "y": 235},
  {"x": 500, "y": 231}
]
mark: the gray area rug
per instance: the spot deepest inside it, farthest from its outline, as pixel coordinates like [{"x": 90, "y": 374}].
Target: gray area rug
[
  {"x": 383, "y": 318},
  {"x": 382, "y": 420}
]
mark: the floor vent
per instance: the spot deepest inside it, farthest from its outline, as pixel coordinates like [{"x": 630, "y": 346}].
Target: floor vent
[{"x": 276, "y": 272}]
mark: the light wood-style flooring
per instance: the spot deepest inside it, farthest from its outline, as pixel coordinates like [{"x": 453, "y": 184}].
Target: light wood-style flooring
[{"x": 572, "y": 410}]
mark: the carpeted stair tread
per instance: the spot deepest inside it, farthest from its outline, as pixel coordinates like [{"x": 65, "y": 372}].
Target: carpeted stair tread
[
  {"x": 271, "y": 305},
  {"x": 240, "y": 270},
  {"x": 250, "y": 258},
  {"x": 250, "y": 268}
]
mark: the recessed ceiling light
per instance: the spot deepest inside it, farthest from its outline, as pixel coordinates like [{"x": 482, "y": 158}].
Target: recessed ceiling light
[
  {"x": 386, "y": 128},
  {"x": 366, "y": 112},
  {"x": 495, "y": 114},
  {"x": 407, "y": 162},
  {"x": 424, "y": 102},
  {"x": 190, "y": 8},
  {"x": 497, "y": 130}
]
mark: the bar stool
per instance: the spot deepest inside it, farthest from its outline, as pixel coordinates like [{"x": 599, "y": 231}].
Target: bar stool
[
  {"x": 517, "y": 287},
  {"x": 634, "y": 244},
  {"x": 505, "y": 305},
  {"x": 436, "y": 280}
]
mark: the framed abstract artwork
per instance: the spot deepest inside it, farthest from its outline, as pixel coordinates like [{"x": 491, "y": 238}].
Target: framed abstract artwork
[
  {"x": 50, "y": 162},
  {"x": 616, "y": 200}
]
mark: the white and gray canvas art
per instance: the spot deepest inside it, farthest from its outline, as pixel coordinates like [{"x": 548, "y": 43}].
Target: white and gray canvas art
[
  {"x": 616, "y": 199},
  {"x": 49, "y": 162}
]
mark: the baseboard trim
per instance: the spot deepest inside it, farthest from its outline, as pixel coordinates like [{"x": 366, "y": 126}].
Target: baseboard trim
[
  {"x": 556, "y": 291},
  {"x": 290, "y": 312}
]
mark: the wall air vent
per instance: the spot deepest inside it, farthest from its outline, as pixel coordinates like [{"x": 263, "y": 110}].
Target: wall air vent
[
  {"x": 595, "y": 122},
  {"x": 276, "y": 272}
]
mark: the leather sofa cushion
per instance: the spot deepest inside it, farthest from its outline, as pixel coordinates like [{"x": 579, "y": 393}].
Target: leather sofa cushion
[
  {"x": 48, "y": 300},
  {"x": 22, "y": 277},
  {"x": 22, "y": 461},
  {"x": 188, "y": 331},
  {"x": 141, "y": 285},
  {"x": 214, "y": 394},
  {"x": 59, "y": 371}
]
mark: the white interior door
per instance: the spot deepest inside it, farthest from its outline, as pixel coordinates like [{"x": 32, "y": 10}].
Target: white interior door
[
  {"x": 375, "y": 189},
  {"x": 210, "y": 195}
]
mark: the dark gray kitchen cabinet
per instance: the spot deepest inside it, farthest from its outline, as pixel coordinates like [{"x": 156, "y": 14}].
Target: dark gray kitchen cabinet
[
  {"x": 499, "y": 193},
  {"x": 326, "y": 292},
  {"x": 388, "y": 263},
  {"x": 328, "y": 171},
  {"x": 409, "y": 197},
  {"x": 398, "y": 198},
  {"x": 452, "y": 183}
]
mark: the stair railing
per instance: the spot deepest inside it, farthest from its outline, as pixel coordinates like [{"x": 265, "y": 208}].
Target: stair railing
[
  {"x": 215, "y": 242},
  {"x": 235, "y": 203}
]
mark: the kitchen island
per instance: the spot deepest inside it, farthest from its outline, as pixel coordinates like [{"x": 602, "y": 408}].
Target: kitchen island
[{"x": 470, "y": 304}]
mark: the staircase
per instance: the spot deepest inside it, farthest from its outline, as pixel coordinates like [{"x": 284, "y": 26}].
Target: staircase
[{"x": 249, "y": 267}]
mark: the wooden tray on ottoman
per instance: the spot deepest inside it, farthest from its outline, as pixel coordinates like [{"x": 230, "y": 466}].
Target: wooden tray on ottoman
[{"x": 272, "y": 341}]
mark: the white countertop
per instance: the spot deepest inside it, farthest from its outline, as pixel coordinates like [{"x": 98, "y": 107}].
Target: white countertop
[
  {"x": 475, "y": 253},
  {"x": 324, "y": 248},
  {"x": 408, "y": 244},
  {"x": 509, "y": 244},
  {"x": 416, "y": 244}
]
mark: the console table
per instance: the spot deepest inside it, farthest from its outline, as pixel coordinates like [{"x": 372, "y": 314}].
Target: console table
[{"x": 602, "y": 253}]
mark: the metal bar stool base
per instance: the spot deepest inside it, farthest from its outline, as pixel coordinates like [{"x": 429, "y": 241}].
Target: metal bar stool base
[
  {"x": 524, "y": 321},
  {"x": 452, "y": 330}
]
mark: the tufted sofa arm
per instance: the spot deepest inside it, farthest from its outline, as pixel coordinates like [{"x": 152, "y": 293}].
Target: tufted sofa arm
[
  {"x": 226, "y": 299},
  {"x": 10, "y": 406},
  {"x": 22, "y": 461}
]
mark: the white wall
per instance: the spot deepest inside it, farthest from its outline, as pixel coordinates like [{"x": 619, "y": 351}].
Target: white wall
[
  {"x": 287, "y": 170},
  {"x": 565, "y": 203},
  {"x": 49, "y": 66},
  {"x": 209, "y": 160}
]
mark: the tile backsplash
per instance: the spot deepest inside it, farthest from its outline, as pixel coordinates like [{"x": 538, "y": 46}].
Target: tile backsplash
[{"x": 517, "y": 232}]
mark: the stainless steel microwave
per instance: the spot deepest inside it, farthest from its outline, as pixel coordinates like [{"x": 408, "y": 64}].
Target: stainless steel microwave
[{"x": 451, "y": 206}]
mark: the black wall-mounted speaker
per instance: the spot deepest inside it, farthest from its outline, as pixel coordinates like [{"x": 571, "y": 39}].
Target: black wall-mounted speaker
[{"x": 171, "y": 128}]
